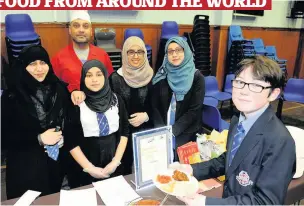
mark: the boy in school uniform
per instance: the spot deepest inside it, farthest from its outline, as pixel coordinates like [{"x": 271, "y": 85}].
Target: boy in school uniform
[{"x": 260, "y": 159}]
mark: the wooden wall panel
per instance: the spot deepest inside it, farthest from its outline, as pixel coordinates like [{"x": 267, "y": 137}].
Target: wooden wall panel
[
  {"x": 185, "y": 28},
  {"x": 301, "y": 74},
  {"x": 55, "y": 36},
  {"x": 221, "y": 55},
  {"x": 151, "y": 39},
  {"x": 158, "y": 33},
  {"x": 215, "y": 37},
  {"x": 3, "y": 45}
]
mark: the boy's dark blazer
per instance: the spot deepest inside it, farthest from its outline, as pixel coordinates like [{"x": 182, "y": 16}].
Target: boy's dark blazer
[{"x": 261, "y": 169}]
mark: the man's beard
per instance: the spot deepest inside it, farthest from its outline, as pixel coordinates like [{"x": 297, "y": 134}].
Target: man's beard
[{"x": 81, "y": 42}]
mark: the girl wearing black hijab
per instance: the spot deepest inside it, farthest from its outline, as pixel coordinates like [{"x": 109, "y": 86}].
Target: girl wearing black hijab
[
  {"x": 36, "y": 103},
  {"x": 104, "y": 122}
]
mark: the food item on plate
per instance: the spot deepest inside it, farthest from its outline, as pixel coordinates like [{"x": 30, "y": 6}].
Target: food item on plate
[
  {"x": 180, "y": 176},
  {"x": 163, "y": 179},
  {"x": 147, "y": 202},
  {"x": 169, "y": 188}
]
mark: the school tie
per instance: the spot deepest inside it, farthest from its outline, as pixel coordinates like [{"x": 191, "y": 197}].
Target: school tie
[
  {"x": 237, "y": 140},
  {"x": 172, "y": 116},
  {"x": 53, "y": 151},
  {"x": 103, "y": 124}
]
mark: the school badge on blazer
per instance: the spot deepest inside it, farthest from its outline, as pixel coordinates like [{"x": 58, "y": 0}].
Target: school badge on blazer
[{"x": 244, "y": 179}]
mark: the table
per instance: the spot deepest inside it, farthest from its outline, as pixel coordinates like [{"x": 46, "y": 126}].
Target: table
[
  {"x": 295, "y": 193},
  {"x": 53, "y": 199}
]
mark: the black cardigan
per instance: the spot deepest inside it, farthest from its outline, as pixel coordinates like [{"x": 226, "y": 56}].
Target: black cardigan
[
  {"x": 28, "y": 165},
  {"x": 135, "y": 99},
  {"x": 188, "y": 118},
  {"x": 20, "y": 130}
]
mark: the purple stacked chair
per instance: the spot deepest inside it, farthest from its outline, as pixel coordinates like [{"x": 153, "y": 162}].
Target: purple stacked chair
[
  {"x": 169, "y": 29},
  {"x": 210, "y": 101},
  {"x": 228, "y": 83},
  {"x": 212, "y": 118},
  {"x": 211, "y": 87},
  {"x": 294, "y": 90},
  {"x": 20, "y": 32}
]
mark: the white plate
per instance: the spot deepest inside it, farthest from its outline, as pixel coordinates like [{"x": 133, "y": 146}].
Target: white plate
[{"x": 177, "y": 188}]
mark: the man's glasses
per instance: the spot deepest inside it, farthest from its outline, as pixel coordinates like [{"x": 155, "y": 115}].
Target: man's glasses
[
  {"x": 132, "y": 53},
  {"x": 177, "y": 51},
  {"x": 252, "y": 86}
]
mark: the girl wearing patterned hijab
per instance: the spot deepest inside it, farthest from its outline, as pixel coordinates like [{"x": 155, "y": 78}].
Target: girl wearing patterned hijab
[
  {"x": 103, "y": 120},
  {"x": 34, "y": 105},
  {"x": 133, "y": 83},
  {"x": 178, "y": 93}
]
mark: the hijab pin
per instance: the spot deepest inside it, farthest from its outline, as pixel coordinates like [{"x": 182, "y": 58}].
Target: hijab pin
[{"x": 163, "y": 69}]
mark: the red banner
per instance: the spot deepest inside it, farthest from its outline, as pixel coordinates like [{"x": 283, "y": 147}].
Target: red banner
[{"x": 135, "y": 4}]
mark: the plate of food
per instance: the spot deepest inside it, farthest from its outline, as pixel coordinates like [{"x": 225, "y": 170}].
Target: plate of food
[
  {"x": 146, "y": 200},
  {"x": 176, "y": 183}
]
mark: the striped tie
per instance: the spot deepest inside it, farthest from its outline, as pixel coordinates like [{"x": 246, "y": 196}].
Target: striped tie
[
  {"x": 172, "y": 115},
  {"x": 53, "y": 151},
  {"x": 237, "y": 140},
  {"x": 172, "y": 109},
  {"x": 103, "y": 124}
]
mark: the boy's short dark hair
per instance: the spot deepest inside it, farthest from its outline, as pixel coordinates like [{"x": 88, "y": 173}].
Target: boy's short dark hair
[{"x": 264, "y": 69}]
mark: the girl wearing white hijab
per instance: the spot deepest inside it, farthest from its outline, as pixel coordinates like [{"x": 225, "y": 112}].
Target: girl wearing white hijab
[{"x": 133, "y": 82}]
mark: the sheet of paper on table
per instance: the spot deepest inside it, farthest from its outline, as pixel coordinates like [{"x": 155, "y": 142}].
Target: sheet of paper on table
[
  {"x": 153, "y": 156},
  {"x": 27, "y": 198},
  {"x": 85, "y": 197},
  {"x": 115, "y": 191}
]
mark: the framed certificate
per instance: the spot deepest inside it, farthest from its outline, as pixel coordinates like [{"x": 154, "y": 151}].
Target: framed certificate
[{"x": 152, "y": 153}]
